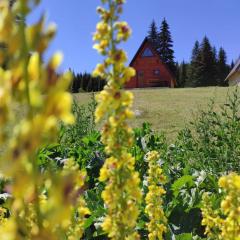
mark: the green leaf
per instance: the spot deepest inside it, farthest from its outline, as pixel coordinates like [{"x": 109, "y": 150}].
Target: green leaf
[
  {"x": 181, "y": 182},
  {"x": 184, "y": 236},
  {"x": 88, "y": 222}
]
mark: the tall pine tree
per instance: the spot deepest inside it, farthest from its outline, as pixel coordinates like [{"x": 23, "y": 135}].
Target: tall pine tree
[
  {"x": 222, "y": 68},
  {"x": 208, "y": 70},
  {"x": 215, "y": 65},
  {"x": 182, "y": 74},
  {"x": 165, "y": 46},
  {"x": 153, "y": 34},
  {"x": 232, "y": 65},
  {"x": 177, "y": 73},
  {"x": 194, "y": 73}
]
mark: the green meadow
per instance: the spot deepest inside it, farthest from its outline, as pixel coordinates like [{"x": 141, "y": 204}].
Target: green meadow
[{"x": 169, "y": 110}]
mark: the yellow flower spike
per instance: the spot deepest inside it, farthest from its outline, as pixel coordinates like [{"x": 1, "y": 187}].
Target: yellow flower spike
[
  {"x": 61, "y": 110},
  {"x": 101, "y": 47},
  {"x": 47, "y": 36},
  {"x": 102, "y": 28},
  {"x": 58, "y": 83},
  {"x": 6, "y": 22},
  {"x": 119, "y": 57},
  {"x": 129, "y": 73},
  {"x": 8, "y": 230},
  {"x": 224, "y": 223},
  {"x": 15, "y": 43},
  {"x": 124, "y": 32},
  {"x": 32, "y": 33},
  {"x": 103, "y": 174},
  {"x": 35, "y": 96},
  {"x": 122, "y": 193},
  {"x": 34, "y": 67},
  {"x": 129, "y": 114},
  {"x": 154, "y": 203},
  {"x": 122, "y": 183},
  {"x": 56, "y": 60},
  {"x": 75, "y": 230},
  {"x": 99, "y": 71},
  {"x": 4, "y": 106},
  {"x": 27, "y": 80}
]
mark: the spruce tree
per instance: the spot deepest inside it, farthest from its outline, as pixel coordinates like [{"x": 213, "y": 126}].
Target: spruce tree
[
  {"x": 182, "y": 74},
  {"x": 195, "y": 69},
  {"x": 208, "y": 72},
  {"x": 222, "y": 67},
  {"x": 153, "y": 34},
  {"x": 177, "y": 73},
  {"x": 165, "y": 46},
  {"x": 215, "y": 65}
]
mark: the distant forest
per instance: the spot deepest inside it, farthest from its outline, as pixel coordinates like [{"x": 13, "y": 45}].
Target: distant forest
[
  {"x": 207, "y": 67},
  {"x": 84, "y": 82}
]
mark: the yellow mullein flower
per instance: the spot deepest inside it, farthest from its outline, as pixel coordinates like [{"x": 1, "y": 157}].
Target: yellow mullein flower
[
  {"x": 123, "y": 31},
  {"x": 122, "y": 194},
  {"x": 99, "y": 71},
  {"x": 154, "y": 202},
  {"x": 3, "y": 213},
  {"x": 56, "y": 60},
  {"x": 76, "y": 225},
  {"x": 33, "y": 67},
  {"x": 35, "y": 213},
  {"x": 224, "y": 223}
]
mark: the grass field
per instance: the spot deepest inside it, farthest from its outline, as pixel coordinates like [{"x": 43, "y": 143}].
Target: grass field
[{"x": 169, "y": 110}]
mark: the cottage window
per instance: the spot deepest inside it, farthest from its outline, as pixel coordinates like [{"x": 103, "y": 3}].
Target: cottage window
[
  {"x": 147, "y": 53},
  {"x": 140, "y": 73},
  {"x": 156, "y": 72}
]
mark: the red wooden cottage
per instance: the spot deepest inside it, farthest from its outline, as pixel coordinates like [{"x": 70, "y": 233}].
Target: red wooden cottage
[{"x": 150, "y": 70}]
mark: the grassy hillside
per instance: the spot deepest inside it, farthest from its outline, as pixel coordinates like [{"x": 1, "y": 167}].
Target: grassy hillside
[{"x": 169, "y": 110}]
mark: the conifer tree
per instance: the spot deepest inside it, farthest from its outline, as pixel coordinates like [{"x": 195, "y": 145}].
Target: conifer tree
[
  {"x": 222, "y": 67},
  {"x": 165, "y": 46},
  {"x": 153, "y": 34},
  {"x": 177, "y": 73},
  {"x": 208, "y": 72},
  {"x": 232, "y": 65},
  {"x": 215, "y": 65},
  {"x": 207, "y": 67},
  {"x": 182, "y": 74},
  {"x": 194, "y": 70}
]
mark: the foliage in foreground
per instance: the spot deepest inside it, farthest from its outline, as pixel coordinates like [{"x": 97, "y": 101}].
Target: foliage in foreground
[
  {"x": 187, "y": 179},
  {"x": 43, "y": 192},
  {"x": 121, "y": 194},
  {"x": 40, "y": 205}
]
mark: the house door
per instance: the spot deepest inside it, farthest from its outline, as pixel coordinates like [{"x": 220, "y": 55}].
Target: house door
[{"x": 140, "y": 79}]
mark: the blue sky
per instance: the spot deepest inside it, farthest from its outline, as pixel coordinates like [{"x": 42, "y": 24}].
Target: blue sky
[{"x": 189, "y": 21}]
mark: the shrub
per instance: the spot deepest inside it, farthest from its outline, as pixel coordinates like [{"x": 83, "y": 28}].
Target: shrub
[
  {"x": 212, "y": 143},
  {"x": 84, "y": 124}
]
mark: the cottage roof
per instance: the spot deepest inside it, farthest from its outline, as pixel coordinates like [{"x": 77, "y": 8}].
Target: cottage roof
[
  {"x": 153, "y": 49},
  {"x": 140, "y": 48},
  {"x": 234, "y": 70}
]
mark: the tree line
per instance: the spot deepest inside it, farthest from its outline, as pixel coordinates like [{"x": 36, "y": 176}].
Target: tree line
[
  {"x": 84, "y": 82},
  {"x": 207, "y": 67}
]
